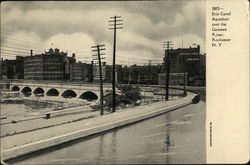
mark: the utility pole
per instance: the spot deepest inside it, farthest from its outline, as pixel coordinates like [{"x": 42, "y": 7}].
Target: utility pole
[
  {"x": 149, "y": 79},
  {"x": 184, "y": 82},
  {"x": 129, "y": 76},
  {"x": 98, "y": 49},
  {"x": 114, "y": 26},
  {"x": 166, "y": 46},
  {"x": 138, "y": 74}
]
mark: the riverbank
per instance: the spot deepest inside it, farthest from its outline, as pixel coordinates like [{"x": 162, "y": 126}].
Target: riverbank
[
  {"x": 20, "y": 144},
  {"x": 15, "y": 109}
]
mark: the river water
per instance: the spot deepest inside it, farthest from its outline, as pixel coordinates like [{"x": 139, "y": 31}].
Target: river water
[{"x": 172, "y": 138}]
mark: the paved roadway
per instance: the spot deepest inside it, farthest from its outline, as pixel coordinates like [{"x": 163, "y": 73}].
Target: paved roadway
[{"x": 174, "y": 137}]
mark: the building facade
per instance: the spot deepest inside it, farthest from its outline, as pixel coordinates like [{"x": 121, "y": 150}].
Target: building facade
[
  {"x": 69, "y": 62},
  {"x": 96, "y": 72},
  {"x": 47, "y": 66},
  {"x": 175, "y": 79},
  {"x": 12, "y": 69},
  {"x": 80, "y": 72},
  {"x": 118, "y": 74},
  {"x": 51, "y": 65},
  {"x": 187, "y": 60},
  {"x": 147, "y": 74}
]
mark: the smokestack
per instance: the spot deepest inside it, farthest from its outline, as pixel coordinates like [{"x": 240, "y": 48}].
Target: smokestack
[{"x": 31, "y": 52}]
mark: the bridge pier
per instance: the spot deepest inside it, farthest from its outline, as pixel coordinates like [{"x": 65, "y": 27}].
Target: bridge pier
[{"x": 86, "y": 91}]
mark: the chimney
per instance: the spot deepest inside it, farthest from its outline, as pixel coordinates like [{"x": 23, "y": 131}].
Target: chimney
[
  {"x": 73, "y": 55},
  {"x": 31, "y": 52},
  {"x": 50, "y": 50},
  {"x": 57, "y": 50}
]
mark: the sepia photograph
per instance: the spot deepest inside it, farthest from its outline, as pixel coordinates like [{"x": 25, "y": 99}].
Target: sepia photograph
[{"x": 106, "y": 82}]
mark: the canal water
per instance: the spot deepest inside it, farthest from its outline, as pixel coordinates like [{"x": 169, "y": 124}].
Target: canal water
[{"x": 174, "y": 137}]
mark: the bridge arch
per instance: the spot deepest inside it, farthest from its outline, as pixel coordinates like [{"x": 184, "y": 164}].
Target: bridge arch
[
  {"x": 15, "y": 88},
  {"x": 26, "y": 91},
  {"x": 38, "y": 90},
  {"x": 69, "y": 93},
  {"x": 89, "y": 96},
  {"x": 52, "y": 92}
]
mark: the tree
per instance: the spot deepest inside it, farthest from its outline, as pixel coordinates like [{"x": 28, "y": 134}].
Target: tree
[{"x": 129, "y": 95}]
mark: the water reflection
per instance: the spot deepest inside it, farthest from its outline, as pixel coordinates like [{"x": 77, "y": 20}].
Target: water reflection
[
  {"x": 167, "y": 138},
  {"x": 100, "y": 150},
  {"x": 113, "y": 146}
]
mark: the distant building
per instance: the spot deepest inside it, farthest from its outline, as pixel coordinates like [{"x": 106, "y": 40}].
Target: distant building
[
  {"x": 89, "y": 76},
  {"x": 7, "y": 69},
  {"x": 19, "y": 67},
  {"x": 118, "y": 74},
  {"x": 12, "y": 69},
  {"x": 187, "y": 60},
  {"x": 175, "y": 79},
  {"x": 51, "y": 65},
  {"x": 147, "y": 74},
  {"x": 96, "y": 72},
  {"x": 107, "y": 71},
  {"x": 203, "y": 66},
  {"x": 76, "y": 72},
  {"x": 69, "y": 61},
  {"x": 80, "y": 72},
  {"x": 47, "y": 66}
]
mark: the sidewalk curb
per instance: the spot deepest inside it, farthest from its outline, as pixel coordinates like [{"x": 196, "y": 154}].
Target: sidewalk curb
[{"x": 50, "y": 142}]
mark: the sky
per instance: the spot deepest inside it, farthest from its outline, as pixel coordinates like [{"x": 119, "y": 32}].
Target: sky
[{"x": 75, "y": 26}]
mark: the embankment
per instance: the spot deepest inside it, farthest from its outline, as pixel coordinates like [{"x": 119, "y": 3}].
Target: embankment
[{"x": 21, "y": 144}]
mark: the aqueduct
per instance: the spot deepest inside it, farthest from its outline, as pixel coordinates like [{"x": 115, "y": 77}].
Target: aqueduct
[{"x": 66, "y": 90}]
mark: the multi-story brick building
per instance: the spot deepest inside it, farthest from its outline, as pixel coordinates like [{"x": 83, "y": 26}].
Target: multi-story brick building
[
  {"x": 96, "y": 72},
  {"x": 47, "y": 66},
  {"x": 118, "y": 74},
  {"x": 175, "y": 79},
  {"x": 12, "y": 69},
  {"x": 187, "y": 60},
  {"x": 147, "y": 74},
  {"x": 80, "y": 72}
]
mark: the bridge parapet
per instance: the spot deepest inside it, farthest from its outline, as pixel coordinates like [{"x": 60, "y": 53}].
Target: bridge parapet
[{"x": 59, "y": 89}]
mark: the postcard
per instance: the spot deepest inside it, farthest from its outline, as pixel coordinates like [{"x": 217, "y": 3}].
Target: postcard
[{"x": 124, "y": 82}]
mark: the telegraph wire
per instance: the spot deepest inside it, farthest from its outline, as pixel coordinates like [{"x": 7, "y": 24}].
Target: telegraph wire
[
  {"x": 76, "y": 51},
  {"x": 13, "y": 50}
]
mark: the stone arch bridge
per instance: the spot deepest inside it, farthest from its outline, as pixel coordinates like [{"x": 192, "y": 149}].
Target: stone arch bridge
[{"x": 67, "y": 90}]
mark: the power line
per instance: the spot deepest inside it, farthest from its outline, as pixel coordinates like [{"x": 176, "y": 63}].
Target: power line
[
  {"x": 8, "y": 47},
  {"x": 120, "y": 61},
  {"x": 19, "y": 38},
  {"x": 21, "y": 48},
  {"x": 5, "y": 44},
  {"x": 21, "y": 41},
  {"x": 11, "y": 51}
]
